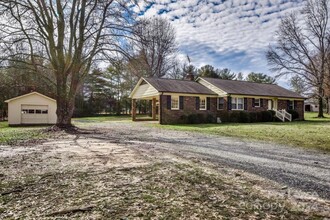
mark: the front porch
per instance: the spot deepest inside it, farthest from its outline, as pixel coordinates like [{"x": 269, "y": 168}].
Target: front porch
[
  {"x": 273, "y": 104},
  {"x": 145, "y": 109}
]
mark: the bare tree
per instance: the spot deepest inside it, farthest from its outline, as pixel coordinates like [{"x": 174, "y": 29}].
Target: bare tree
[
  {"x": 69, "y": 36},
  {"x": 302, "y": 46},
  {"x": 298, "y": 85},
  {"x": 155, "y": 45},
  {"x": 327, "y": 85},
  {"x": 177, "y": 72}
]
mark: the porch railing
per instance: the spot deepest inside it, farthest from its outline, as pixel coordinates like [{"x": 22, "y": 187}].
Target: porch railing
[
  {"x": 279, "y": 115},
  {"x": 283, "y": 114}
]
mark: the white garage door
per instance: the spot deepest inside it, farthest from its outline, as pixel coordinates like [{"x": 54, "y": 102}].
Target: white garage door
[{"x": 34, "y": 114}]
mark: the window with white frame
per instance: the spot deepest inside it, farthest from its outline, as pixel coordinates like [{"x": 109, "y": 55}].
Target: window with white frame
[
  {"x": 256, "y": 102},
  {"x": 221, "y": 103},
  {"x": 174, "y": 102},
  {"x": 202, "y": 103},
  {"x": 237, "y": 103}
]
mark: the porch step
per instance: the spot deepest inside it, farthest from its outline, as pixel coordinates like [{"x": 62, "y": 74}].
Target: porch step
[{"x": 283, "y": 114}]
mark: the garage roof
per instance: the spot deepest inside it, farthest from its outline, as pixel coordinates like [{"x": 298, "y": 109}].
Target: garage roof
[{"x": 32, "y": 93}]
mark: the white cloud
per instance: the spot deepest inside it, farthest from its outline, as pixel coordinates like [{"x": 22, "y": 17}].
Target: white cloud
[{"x": 231, "y": 33}]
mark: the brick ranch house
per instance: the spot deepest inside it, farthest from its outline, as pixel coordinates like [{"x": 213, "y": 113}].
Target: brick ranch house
[{"x": 172, "y": 99}]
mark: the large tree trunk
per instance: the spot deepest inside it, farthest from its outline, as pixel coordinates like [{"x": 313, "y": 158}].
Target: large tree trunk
[
  {"x": 320, "y": 115},
  {"x": 327, "y": 101},
  {"x": 65, "y": 108},
  {"x": 118, "y": 110},
  {"x": 65, "y": 102}
]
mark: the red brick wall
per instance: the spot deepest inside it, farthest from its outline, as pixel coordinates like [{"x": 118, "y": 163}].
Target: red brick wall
[
  {"x": 300, "y": 109},
  {"x": 168, "y": 116},
  {"x": 263, "y": 105},
  {"x": 283, "y": 104}
]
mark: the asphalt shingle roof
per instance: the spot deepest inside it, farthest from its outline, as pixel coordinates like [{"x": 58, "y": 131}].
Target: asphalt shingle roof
[
  {"x": 250, "y": 88},
  {"x": 178, "y": 86}
]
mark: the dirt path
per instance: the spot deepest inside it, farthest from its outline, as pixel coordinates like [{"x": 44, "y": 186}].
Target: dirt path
[
  {"x": 303, "y": 169},
  {"x": 129, "y": 170}
]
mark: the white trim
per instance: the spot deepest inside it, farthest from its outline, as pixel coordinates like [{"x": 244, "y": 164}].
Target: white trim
[
  {"x": 254, "y": 104},
  {"x": 178, "y": 97},
  {"x": 237, "y": 109},
  {"x": 211, "y": 87},
  {"x": 200, "y": 98},
  {"x": 266, "y": 97},
  {"x": 137, "y": 86},
  {"x": 31, "y": 93}
]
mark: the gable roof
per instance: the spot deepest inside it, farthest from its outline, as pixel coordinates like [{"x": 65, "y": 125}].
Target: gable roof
[
  {"x": 178, "y": 86},
  {"x": 251, "y": 88},
  {"x": 28, "y": 94}
]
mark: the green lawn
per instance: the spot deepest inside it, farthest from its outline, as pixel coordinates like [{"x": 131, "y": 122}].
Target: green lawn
[
  {"x": 88, "y": 121},
  {"x": 12, "y": 135},
  {"x": 311, "y": 133},
  {"x": 102, "y": 119}
]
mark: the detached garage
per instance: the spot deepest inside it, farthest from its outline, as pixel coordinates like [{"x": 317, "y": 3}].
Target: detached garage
[{"x": 32, "y": 108}]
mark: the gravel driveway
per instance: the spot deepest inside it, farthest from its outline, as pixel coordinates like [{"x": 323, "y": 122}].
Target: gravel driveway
[{"x": 302, "y": 169}]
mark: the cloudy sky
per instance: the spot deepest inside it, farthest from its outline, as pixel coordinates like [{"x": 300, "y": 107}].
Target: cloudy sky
[{"x": 224, "y": 33}]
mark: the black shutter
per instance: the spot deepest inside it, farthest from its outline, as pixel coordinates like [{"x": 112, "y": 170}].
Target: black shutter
[
  {"x": 168, "y": 102},
  {"x": 208, "y": 103},
  {"x": 229, "y": 102},
  {"x": 253, "y": 100},
  {"x": 288, "y": 105},
  {"x": 261, "y": 103},
  {"x": 245, "y": 104},
  {"x": 197, "y": 103},
  {"x": 295, "y": 104},
  {"x": 181, "y": 102}
]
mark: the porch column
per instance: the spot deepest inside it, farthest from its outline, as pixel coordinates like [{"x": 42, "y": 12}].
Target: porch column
[
  {"x": 160, "y": 109},
  {"x": 133, "y": 109},
  {"x": 154, "y": 108}
]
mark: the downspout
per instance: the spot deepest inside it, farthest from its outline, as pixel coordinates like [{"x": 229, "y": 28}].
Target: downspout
[{"x": 161, "y": 108}]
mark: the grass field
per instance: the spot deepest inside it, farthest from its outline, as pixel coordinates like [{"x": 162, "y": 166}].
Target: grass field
[
  {"x": 88, "y": 121},
  {"x": 12, "y": 135},
  {"x": 91, "y": 176},
  {"x": 311, "y": 133}
]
